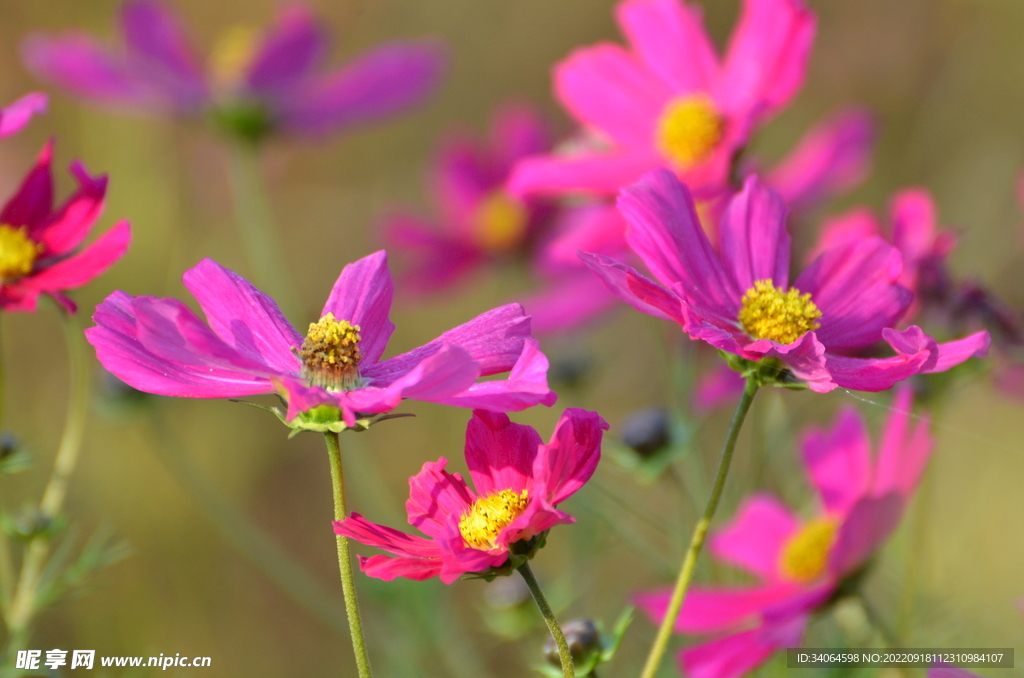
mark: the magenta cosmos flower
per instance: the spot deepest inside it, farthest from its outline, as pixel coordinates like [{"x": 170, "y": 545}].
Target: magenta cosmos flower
[
  {"x": 480, "y": 221},
  {"x": 740, "y": 300},
  {"x": 160, "y": 346},
  {"x": 256, "y": 83},
  {"x": 41, "y": 247},
  {"x": 15, "y": 116},
  {"x": 799, "y": 563},
  {"x": 669, "y": 101},
  {"x": 519, "y": 481}
]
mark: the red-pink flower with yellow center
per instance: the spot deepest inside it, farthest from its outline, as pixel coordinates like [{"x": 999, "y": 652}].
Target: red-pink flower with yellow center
[{"x": 519, "y": 482}]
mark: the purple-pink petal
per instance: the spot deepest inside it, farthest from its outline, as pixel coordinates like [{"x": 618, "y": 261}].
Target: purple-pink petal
[
  {"x": 903, "y": 454},
  {"x": 916, "y": 352},
  {"x": 76, "y": 62},
  {"x": 603, "y": 173},
  {"x": 839, "y": 461},
  {"x": 729, "y": 657},
  {"x": 362, "y": 295},
  {"x": 14, "y": 116},
  {"x": 713, "y": 610},
  {"x": 500, "y": 453},
  {"x": 754, "y": 242},
  {"x": 869, "y": 523},
  {"x": 639, "y": 292},
  {"x": 292, "y": 48},
  {"x": 159, "y": 54},
  {"x": 525, "y": 387},
  {"x": 754, "y": 539}
]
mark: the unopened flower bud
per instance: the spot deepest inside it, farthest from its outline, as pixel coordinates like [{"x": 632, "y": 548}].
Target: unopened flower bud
[
  {"x": 9, "y": 445},
  {"x": 647, "y": 431},
  {"x": 583, "y": 639}
]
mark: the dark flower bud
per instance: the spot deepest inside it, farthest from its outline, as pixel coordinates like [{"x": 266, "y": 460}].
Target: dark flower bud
[
  {"x": 647, "y": 430},
  {"x": 584, "y": 641},
  {"x": 9, "y": 445},
  {"x": 570, "y": 370}
]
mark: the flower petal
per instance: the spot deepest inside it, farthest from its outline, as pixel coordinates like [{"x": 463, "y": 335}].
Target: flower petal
[
  {"x": 290, "y": 50},
  {"x": 14, "y": 116},
  {"x": 716, "y": 387},
  {"x": 244, "y": 317},
  {"x": 80, "y": 268},
  {"x": 903, "y": 454},
  {"x": 729, "y": 657},
  {"x": 526, "y": 386},
  {"x": 714, "y": 610},
  {"x": 419, "y": 558},
  {"x": 388, "y": 569},
  {"x": 362, "y": 295},
  {"x": 869, "y": 523},
  {"x": 639, "y": 292},
  {"x": 847, "y": 228},
  {"x": 952, "y": 353},
  {"x": 76, "y": 62},
  {"x": 134, "y": 351},
  {"x": 917, "y": 352},
  {"x": 434, "y": 496},
  {"x": 856, "y": 289},
  {"x": 603, "y": 173},
  {"x": 754, "y": 242},
  {"x": 437, "y": 261},
  {"x": 500, "y": 453},
  {"x": 670, "y": 38},
  {"x": 569, "y": 459},
  {"x": 31, "y": 203},
  {"x": 839, "y": 461},
  {"x": 379, "y": 83},
  {"x": 607, "y": 88},
  {"x": 754, "y": 539},
  {"x": 567, "y": 302},
  {"x": 68, "y": 227}
]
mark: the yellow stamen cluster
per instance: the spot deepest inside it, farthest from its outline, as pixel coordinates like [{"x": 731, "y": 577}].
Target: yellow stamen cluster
[
  {"x": 500, "y": 222},
  {"x": 489, "y": 515},
  {"x": 688, "y": 130},
  {"x": 232, "y": 54},
  {"x": 330, "y": 353},
  {"x": 18, "y": 253},
  {"x": 805, "y": 555},
  {"x": 770, "y": 313}
]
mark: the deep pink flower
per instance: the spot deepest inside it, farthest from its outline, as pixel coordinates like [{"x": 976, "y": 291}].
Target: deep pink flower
[
  {"x": 669, "y": 101},
  {"x": 480, "y": 221},
  {"x": 831, "y": 158},
  {"x": 41, "y": 248},
  {"x": 256, "y": 83},
  {"x": 800, "y": 563},
  {"x": 160, "y": 346},
  {"x": 16, "y": 115},
  {"x": 519, "y": 482},
  {"x": 740, "y": 300}
]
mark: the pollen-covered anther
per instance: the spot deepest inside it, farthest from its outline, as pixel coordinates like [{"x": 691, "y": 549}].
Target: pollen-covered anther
[
  {"x": 770, "y": 313},
  {"x": 500, "y": 222},
  {"x": 805, "y": 555},
  {"x": 688, "y": 130},
  {"x": 18, "y": 253},
  {"x": 330, "y": 353},
  {"x": 489, "y": 515}
]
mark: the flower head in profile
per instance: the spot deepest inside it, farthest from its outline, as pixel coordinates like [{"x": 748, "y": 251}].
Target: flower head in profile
[
  {"x": 480, "y": 222},
  {"x": 15, "y": 116},
  {"x": 801, "y": 564},
  {"x": 335, "y": 371},
  {"x": 41, "y": 249},
  {"x": 740, "y": 300},
  {"x": 669, "y": 100},
  {"x": 519, "y": 479},
  {"x": 255, "y": 83}
]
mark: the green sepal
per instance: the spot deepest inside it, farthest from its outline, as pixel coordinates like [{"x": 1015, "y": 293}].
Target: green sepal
[
  {"x": 16, "y": 462},
  {"x": 518, "y": 553},
  {"x": 323, "y": 419},
  {"x": 766, "y": 372},
  {"x": 248, "y": 121}
]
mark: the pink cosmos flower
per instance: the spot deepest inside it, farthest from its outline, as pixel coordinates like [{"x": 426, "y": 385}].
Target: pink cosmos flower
[
  {"x": 255, "y": 83},
  {"x": 740, "y": 300},
  {"x": 15, "y": 116},
  {"x": 41, "y": 248},
  {"x": 669, "y": 101},
  {"x": 519, "y": 481},
  {"x": 480, "y": 221},
  {"x": 160, "y": 346},
  {"x": 948, "y": 671},
  {"x": 832, "y": 157},
  {"x": 800, "y": 564}
]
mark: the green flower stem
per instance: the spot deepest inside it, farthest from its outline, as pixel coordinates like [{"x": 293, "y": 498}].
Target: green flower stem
[
  {"x": 568, "y": 669},
  {"x": 348, "y": 586},
  {"x": 700, "y": 532},
  {"x": 256, "y": 227},
  {"x": 23, "y": 605}
]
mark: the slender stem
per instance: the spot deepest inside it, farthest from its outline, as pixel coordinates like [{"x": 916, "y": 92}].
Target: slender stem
[
  {"x": 348, "y": 586},
  {"x": 256, "y": 227},
  {"x": 699, "y": 532},
  {"x": 568, "y": 669},
  {"x": 23, "y": 606}
]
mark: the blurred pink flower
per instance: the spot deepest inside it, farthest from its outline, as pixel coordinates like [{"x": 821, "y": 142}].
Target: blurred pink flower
[
  {"x": 669, "y": 100},
  {"x": 801, "y": 564},
  {"x": 255, "y": 83},
  {"x": 158, "y": 345},
  {"x": 948, "y": 671},
  {"x": 740, "y": 301},
  {"x": 480, "y": 221},
  {"x": 41, "y": 248},
  {"x": 16, "y": 115},
  {"x": 520, "y": 481}
]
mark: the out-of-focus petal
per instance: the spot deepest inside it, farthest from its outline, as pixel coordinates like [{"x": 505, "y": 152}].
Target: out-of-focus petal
[
  {"x": 713, "y": 610},
  {"x": 848, "y": 228},
  {"x": 437, "y": 262},
  {"x": 68, "y": 227},
  {"x": 15, "y": 116},
  {"x": 292, "y": 48},
  {"x": 603, "y": 173},
  {"x": 729, "y": 657},
  {"x": 720, "y": 385},
  {"x": 869, "y": 523},
  {"x": 754, "y": 539},
  {"x": 839, "y": 461},
  {"x": 79, "y": 64},
  {"x": 903, "y": 454},
  {"x": 31, "y": 203},
  {"x": 568, "y": 302},
  {"x": 83, "y": 266}
]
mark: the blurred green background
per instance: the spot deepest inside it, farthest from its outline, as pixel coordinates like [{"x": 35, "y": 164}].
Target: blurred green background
[{"x": 946, "y": 81}]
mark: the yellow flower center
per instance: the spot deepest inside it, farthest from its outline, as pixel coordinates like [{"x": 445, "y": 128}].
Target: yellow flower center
[
  {"x": 17, "y": 252},
  {"x": 805, "y": 555},
  {"x": 500, "y": 222},
  {"x": 770, "y": 313},
  {"x": 688, "y": 130},
  {"x": 490, "y": 515},
  {"x": 232, "y": 54},
  {"x": 330, "y": 353}
]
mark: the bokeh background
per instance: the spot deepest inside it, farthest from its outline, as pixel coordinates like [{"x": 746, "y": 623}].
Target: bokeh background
[{"x": 945, "y": 79}]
